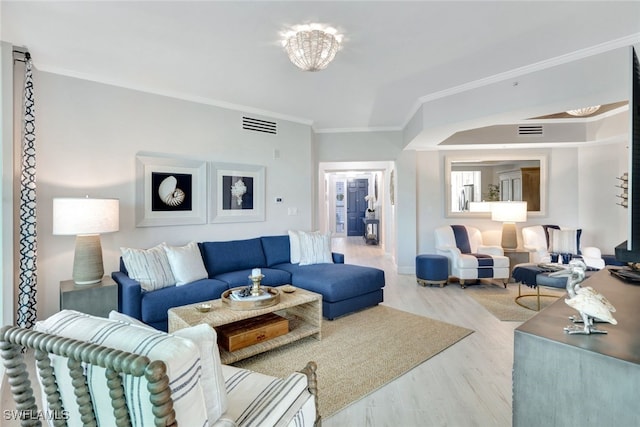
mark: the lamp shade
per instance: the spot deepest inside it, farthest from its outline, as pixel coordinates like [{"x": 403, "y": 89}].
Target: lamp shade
[
  {"x": 78, "y": 216},
  {"x": 509, "y": 211}
]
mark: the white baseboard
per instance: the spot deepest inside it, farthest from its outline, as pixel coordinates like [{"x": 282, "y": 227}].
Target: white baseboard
[{"x": 407, "y": 269}]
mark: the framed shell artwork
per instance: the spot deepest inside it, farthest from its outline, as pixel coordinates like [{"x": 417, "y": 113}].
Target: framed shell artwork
[
  {"x": 170, "y": 191},
  {"x": 237, "y": 193}
]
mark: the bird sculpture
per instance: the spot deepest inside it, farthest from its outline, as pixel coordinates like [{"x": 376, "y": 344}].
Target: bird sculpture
[{"x": 591, "y": 304}]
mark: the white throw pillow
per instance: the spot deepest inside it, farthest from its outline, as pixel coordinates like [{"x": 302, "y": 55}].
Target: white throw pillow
[
  {"x": 563, "y": 241},
  {"x": 294, "y": 244},
  {"x": 150, "y": 267},
  {"x": 186, "y": 263},
  {"x": 212, "y": 381},
  {"x": 181, "y": 357},
  {"x": 215, "y": 392},
  {"x": 315, "y": 248}
]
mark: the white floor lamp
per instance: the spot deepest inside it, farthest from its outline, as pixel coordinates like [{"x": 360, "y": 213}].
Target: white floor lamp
[{"x": 86, "y": 219}]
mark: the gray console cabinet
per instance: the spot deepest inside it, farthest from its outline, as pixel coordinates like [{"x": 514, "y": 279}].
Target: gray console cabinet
[{"x": 579, "y": 380}]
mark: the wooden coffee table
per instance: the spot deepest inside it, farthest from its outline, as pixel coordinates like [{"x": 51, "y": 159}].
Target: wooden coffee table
[{"x": 302, "y": 308}]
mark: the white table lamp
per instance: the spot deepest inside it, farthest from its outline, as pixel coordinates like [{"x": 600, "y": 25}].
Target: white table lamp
[
  {"x": 509, "y": 213},
  {"x": 86, "y": 219}
]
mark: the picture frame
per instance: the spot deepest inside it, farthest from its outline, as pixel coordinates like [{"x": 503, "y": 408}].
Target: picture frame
[
  {"x": 170, "y": 191},
  {"x": 237, "y": 193}
]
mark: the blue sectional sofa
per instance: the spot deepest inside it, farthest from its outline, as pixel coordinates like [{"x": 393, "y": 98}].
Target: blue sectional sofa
[{"x": 344, "y": 288}]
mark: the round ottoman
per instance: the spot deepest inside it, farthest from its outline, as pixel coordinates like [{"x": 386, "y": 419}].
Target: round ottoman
[{"x": 432, "y": 269}]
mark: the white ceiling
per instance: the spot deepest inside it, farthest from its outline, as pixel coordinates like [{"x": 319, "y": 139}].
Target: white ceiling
[{"x": 398, "y": 58}]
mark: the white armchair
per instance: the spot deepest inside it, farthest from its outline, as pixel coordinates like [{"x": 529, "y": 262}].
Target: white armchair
[
  {"x": 469, "y": 258},
  {"x": 542, "y": 240},
  {"x": 127, "y": 374}
]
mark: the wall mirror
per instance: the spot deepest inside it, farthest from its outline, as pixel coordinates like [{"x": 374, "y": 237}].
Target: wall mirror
[{"x": 474, "y": 181}]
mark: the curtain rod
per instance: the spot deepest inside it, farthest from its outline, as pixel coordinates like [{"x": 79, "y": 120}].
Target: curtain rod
[{"x": 21, "y": 55}]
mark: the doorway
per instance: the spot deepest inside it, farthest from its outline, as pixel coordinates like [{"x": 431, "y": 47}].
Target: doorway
[
  {"x": 333, "y": 200},
  {"x": 357, "y": 190}
]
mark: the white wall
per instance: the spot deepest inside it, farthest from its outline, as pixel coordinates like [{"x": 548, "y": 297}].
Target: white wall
[
  {"x": 88, "y": 137},
  {"x": 406, "y": 209},
  {"x": 604, "y": 223},
  {"x": 358, "y": 146},
  {"x": 6, "y": 189},
  {"x": 363, "y": 151}
]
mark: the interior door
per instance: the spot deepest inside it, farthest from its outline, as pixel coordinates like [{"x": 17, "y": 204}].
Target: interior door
[{"x": 357, "y": 190}]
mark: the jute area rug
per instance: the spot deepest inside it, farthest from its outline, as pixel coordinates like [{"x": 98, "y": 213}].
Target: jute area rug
[
  {"x": 502, "y": 304},
  {"x": 360, "y": 352}
]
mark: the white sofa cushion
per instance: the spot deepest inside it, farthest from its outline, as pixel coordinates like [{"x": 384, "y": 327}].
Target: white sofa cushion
[
  {"x": 294, "y": 246},
  {"x": 205, "y": 337},
  {"x": 260, "y": 400},
  {"x": 186, "y": 263},
  {"x": 181, "y": 357},
  {"x": 315, "y": 248},
  {"x": 150, "y": 267},
  {"x": 215, "y": 392}
]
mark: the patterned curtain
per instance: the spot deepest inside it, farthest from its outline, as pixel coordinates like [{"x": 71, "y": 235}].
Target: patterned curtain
[{"x": 28, "y": 242}]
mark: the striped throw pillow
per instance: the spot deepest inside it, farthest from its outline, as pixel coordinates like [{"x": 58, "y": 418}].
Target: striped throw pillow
[
  {"x": 315, "y": 248},
  {"x": 206, "y": 338},
  {"x": 150, "y": 267}
]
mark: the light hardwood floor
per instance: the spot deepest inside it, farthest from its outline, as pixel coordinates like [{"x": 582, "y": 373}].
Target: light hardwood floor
[{"x": 468, "y": 384}]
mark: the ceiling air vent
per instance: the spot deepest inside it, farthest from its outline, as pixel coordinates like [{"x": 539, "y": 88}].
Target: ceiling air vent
[
  {"x": 257, "y": 125},
  {"x": 534, "y": 130}
]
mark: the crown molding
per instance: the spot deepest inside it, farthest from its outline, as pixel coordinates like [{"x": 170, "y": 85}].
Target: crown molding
[
  {"x": 176, "y": 95},
  {"x": 361, "y": 129}
]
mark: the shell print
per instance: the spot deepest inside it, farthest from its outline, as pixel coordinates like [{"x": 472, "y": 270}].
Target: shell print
[{"x": 168, "y": 192}]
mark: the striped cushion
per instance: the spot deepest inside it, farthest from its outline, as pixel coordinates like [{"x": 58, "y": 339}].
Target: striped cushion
[
  {"x": 213, "y": 386},
  {"x": 315, "y": 248},
  {"x": 563, "y": 241},
  {"x": 483, "y": 260},
  {"x": 205, "y": 337},
  {"x": 462, "y": 238},
  {"x": 260, "y": 400},
  {"x": 150, "y": 267},
  {"x": 180, "y": 355}
]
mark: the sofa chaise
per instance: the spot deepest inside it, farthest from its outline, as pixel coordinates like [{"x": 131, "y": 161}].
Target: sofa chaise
[{"x": 345, "y": 288}]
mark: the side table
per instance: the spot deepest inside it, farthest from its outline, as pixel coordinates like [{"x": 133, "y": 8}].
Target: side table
[
  {"x": 97, "y": 299},
  {"x": 371, "y": 231},
  {"x": 516, "y": 257}
]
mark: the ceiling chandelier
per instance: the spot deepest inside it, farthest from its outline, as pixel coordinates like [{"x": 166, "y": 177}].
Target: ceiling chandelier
[
  {"x": 582, "y": 112},
  {"x": 311, "y": 47}
]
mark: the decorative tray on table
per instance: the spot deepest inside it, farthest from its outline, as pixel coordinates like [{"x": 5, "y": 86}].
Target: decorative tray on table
[{"x": 240, "y": 299}]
